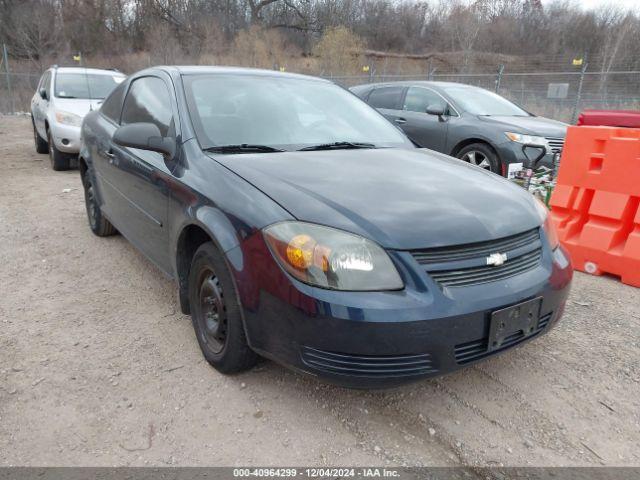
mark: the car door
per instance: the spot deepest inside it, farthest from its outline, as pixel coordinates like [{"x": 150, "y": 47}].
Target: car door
[
  {"x": 40, "y": 105},
  {"x": 141, "y": 176},
  {"x": 35, "y": 103},
  {"x": 428, "y": 131},
  {"x": 388, "y": 101},
  {"x": 101, "y": 150}
]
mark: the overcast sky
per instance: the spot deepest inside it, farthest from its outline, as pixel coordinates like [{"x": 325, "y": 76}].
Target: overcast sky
[
  {"x": 591, "y": 4},
  {"x": 588, "y": 4}
]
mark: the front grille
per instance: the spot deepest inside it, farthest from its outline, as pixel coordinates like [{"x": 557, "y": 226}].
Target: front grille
[
  {"x": 477, "y": 349},
  {"x": 477, "y": 275},
  {"x": 478, "y": 249},
  {"x": 555, "y": 143},
  {"x": 368, "y": 366},
  {"x": 465, "y": 265}
]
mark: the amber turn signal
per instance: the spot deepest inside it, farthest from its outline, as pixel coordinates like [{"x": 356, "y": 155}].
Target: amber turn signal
[{"x": 303, "y": 252}]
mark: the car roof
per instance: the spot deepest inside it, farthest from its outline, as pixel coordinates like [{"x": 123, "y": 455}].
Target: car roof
[
  {"x": 213, "y": 70},
  {"x": 409, "y": 83},
  {"x": 93, "y": 71}
]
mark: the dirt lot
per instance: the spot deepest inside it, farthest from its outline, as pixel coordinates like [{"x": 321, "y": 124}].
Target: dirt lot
[{"x": 98, "y": 367}]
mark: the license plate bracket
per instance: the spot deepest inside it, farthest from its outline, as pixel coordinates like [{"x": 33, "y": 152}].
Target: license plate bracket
[{"x": 510, "y": 321}]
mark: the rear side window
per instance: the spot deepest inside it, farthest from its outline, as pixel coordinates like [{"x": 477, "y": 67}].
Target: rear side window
[
  {"x": 112, "y": 106},
  {"x": 418, "y": 99},
  {"x": 386, "y": 97},
  {"x": 148, "y": 101}
]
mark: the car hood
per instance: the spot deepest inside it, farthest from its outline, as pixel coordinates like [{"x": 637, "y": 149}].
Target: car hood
[
  {"x": 402, "y": 199},
  {"x": 79, "y": 106},
  {"x": 544, "y": 127}
]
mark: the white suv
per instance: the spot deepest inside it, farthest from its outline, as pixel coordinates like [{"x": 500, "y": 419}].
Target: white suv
[{"x": 64, "y": 96}]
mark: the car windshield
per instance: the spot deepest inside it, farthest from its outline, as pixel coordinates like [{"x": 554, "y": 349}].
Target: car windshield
[
  {"x": 482, "y": 102},
  {"x": 284, "y": 113},
  {"x": 81, "y": 85}
]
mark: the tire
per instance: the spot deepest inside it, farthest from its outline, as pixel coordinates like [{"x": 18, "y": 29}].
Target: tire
[
  {"x": 59, "y": 161},
  {"x": 41, "y": 144},
  {"x": 216, "y": 313},
  {"x": 481, "y": 155},
  {"x": 99, "y": 225}
]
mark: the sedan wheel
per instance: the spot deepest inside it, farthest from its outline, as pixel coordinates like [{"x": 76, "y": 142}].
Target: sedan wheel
[
  {"x": 216, "y": 312},
  {"x": 98, "y": 224},
  {"x": 91, "y": 207},
  {"x": 478, "y": 159},
  {"x": 481, "y": 155},
  {"x": 213, "y": 313}
]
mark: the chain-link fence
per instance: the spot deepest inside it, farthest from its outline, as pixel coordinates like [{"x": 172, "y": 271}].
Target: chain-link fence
[
  {"x": 16, "y": 90},
  {"x": 558, "y": 95}
]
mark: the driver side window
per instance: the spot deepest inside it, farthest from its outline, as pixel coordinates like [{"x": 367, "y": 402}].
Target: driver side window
[
  {"x": 418, "y": 99},
  {"x": 148, "y": 101}
]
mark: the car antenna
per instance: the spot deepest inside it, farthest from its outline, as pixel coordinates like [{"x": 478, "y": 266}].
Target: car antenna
[{"x": 86, "y": 79}]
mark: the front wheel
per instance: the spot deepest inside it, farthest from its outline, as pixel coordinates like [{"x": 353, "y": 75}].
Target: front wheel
[
  {"x": 41, "y": 143},
  {"x": 59, "y": 160},
  {"x": 216, "y": 312},
  {"x": 481, "y": 155}
]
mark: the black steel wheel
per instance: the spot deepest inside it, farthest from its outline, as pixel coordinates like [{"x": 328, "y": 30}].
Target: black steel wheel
[
  {"x": 212, "y": 311},
  {"x": 216, "y": 312}
]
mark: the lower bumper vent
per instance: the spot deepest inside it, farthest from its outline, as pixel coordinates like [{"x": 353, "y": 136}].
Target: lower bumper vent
[{"x": 368, "y": 366}]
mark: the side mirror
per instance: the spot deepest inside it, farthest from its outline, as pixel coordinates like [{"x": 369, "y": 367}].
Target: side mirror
[
  {"x": 435, "y": 110},
  {"x": 43, "y": 93},
  {"x": 145, "y": 136}
]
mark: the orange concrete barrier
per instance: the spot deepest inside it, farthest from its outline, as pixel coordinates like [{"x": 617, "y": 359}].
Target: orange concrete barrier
[{"x": 595, "y": 204}]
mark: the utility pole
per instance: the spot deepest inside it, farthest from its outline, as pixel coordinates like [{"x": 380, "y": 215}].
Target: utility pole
[
  {"x": 5, "y": 57},
  {"x": 499, "y": 77},
  {"x": 576, "y": 107}
]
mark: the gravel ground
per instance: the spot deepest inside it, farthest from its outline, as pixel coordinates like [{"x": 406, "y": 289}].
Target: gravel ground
[{"x": 98, "y": 367}]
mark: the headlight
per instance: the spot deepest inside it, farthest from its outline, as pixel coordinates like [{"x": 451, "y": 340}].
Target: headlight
[
  {"x": 330, "y": 258},
  {"x": 547, "y": 224},
  {"x": 68, "y": 118},
  {"x": 528, "y": 139}
]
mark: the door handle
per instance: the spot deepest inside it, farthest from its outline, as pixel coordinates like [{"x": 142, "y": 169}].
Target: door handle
[
  {"x": 401, "y": 120},
  {"x": 110, "y": 155}
]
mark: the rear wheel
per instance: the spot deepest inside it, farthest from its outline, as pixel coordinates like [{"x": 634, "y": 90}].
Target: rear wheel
[
  {"x": 98, "y": 224},
  {"x": 216, "y": 312},
  {"x": 41, "y": 143},
  {"x": 59, "y": 160},
  {"x": 481, "y": 155}
]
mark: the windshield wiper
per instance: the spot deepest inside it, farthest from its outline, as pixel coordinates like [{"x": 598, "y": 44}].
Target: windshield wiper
[
  {"x": 338, "y": 145},
  {"x": 242, "y": 148}
]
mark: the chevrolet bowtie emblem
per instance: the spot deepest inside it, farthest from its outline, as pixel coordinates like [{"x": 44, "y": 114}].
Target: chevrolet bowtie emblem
[{"x": 496, "y": 259}]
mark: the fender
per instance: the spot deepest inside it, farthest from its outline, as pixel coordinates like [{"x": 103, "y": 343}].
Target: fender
[
  {"x": 219, "y": 229},
  {"x": 214, "y": 223},
  {"x": 475, "y": 138}
]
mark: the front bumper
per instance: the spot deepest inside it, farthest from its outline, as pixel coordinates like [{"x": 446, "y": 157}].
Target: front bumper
[
  {"x": 66, "y": 138},
  {"x": 384, "y": 339}
]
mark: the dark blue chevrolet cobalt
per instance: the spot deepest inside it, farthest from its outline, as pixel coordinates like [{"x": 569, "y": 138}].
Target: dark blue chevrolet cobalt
[{"x": 301, "y": 226}]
